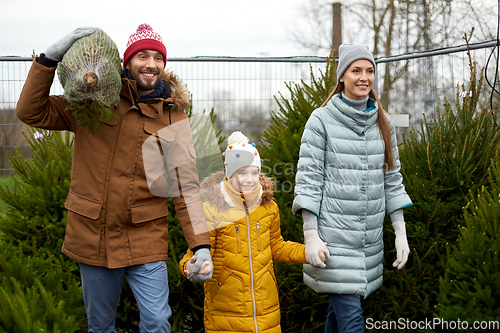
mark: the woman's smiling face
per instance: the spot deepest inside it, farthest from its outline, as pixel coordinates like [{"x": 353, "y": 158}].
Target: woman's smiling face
[{"x": 358, "y": 79}]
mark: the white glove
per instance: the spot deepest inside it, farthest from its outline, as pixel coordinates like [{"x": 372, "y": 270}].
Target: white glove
[
  {"x": 402, "y": 248},
  {"x": 202, "y": 267},
  {"x": 316, "y": 250},
  {"x": 57, "y": 50}
]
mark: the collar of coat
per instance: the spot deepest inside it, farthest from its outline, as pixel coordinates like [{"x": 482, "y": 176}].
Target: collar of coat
[
  {"x": 358, "y": 121},
  {"x": 216, "y": 193},
  {"x": 175, "y": 91}
]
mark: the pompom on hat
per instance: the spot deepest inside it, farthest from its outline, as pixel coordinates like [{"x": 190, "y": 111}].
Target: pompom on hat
[
  {"x": 349, "y": 53},
  {"x": 144, "y": 39},
  {"x": 239, "y": 153}
]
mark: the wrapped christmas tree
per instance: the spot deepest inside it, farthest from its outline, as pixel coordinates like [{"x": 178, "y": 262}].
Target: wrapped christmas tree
[{"x": 90, "y": 75}]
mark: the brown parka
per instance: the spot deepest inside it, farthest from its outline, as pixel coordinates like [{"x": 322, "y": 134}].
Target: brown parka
[{"x": 114, "y": 219}]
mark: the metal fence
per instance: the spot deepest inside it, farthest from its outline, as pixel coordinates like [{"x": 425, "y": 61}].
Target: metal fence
[
  {"x": 431, "y": 76},
  {"x": 242, "y": 91}
]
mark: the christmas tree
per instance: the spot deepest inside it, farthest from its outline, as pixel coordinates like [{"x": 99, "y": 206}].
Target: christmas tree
[
  {"x": 40, "y": 290},
  {"x": 38, "y": 293},
  {"x": 35, "y": 204},
  {"x": 470, "y": 289}
]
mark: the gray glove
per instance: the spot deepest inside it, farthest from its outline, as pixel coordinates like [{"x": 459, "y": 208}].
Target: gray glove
[
  {"x": 57, "y": 50},
  {"x": 202, "y": 255}
]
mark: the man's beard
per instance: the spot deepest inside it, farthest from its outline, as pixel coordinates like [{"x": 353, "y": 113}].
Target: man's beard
[{"x": 144, "y": 86}]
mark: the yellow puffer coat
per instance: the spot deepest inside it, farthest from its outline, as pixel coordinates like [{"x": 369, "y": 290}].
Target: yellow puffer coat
[{"x": 242, "y": 295}]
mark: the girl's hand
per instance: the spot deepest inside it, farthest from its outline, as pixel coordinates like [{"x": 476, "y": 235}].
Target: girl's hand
[
  {"x": 189, "y": 267},
  {"x": 204, "y": 270}
]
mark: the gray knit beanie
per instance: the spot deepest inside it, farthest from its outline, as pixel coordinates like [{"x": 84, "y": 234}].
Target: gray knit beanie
[
  {"x": 349, "y": 53},
  {"x": 240, "y": 153}
]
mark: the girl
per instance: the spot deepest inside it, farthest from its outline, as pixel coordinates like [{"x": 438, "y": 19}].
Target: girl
[
  {"x": 348, "y": 179},
  {"x": 242, "y": 295}
]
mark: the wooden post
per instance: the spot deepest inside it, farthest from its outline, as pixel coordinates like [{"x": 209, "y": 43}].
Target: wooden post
[{"x": 336, "y": 26}]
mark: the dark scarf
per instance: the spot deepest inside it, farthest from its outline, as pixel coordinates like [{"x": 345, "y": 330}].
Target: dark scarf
[{"x": 157, "y": 93}]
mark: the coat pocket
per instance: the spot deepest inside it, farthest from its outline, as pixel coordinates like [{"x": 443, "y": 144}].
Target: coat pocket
[
  {"x": 150, "y": 212},
  {"x": 169, "y": 158},
  {"x": 83, "y": 231},
  {"x": 154, "y": 164},
  {"x": 267, "y": 293},
  {"x": 83, "y": 206},
  {"x": 175, "y": 141},
  {"x": 226, "y": 293},
  {"x": 153, "y": 127}
]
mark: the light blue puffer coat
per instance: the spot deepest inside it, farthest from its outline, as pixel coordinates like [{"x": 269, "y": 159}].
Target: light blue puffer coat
[{"x": 340, "y": 178}]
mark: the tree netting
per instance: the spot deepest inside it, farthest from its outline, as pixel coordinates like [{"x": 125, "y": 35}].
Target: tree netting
[{"x": 90, "y": 75}]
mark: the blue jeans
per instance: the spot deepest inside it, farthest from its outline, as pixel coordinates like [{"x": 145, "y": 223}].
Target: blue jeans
[
  {"x": 101, "y": 294},
  {"x": 344, "y": 314}
]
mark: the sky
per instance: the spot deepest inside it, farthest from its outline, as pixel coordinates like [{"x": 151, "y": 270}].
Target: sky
[{"x": 188, "y": 27}]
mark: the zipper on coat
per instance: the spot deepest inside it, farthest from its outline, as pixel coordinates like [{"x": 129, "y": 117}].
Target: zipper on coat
[
  {"x": 251, "y": 270},
  {"x": 238, "y": 238},
  {"x": 258, "y": 236}
]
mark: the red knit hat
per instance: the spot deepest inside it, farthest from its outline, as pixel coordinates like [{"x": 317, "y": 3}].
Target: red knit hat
[{"x": 144, "y": 39}]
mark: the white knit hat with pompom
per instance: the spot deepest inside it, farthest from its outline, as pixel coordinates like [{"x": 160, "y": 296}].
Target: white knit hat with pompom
[{"x": 239, "y": 153}]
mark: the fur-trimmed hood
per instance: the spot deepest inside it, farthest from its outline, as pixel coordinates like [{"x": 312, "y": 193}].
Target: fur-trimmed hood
[
  {"x": 213, "y": 191},
  {"x": 178, "y": 91}
]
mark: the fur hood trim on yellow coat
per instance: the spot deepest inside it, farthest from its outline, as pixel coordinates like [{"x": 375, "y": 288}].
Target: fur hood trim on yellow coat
[{"x": 212, "y": 189}]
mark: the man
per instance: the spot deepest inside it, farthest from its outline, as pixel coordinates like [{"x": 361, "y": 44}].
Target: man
[{"x": 117, "y": 224}]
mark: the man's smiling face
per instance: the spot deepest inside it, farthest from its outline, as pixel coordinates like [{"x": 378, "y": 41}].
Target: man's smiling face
[{"x": 146, "y": 68}]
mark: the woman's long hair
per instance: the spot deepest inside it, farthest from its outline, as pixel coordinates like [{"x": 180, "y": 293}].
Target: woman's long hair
[{"x": 382, "y": 122}]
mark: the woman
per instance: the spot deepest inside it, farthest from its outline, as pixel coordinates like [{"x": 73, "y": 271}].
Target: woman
[{"x": 347, "y": 180}]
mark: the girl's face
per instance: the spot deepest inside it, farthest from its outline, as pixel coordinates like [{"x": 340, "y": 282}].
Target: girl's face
[
  {"x": 358, "y": 79},
  {"x": 245, "y": 179}
]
